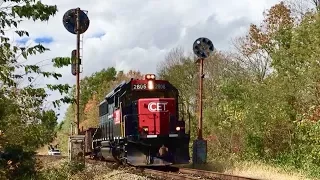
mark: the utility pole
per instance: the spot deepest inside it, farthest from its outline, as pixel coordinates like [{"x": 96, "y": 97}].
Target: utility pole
[{"x": 203, "y": 48}]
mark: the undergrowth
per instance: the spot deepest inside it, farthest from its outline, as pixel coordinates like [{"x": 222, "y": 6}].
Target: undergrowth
[{"x": 65, "y": 171}]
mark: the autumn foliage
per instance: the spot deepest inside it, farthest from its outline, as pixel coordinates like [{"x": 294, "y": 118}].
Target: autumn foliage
[
  {"x": 261, "y": 102},
  {"x": 93, "y": 89}
]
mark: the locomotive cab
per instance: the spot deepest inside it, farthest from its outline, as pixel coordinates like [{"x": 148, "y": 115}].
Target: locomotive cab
[{"x": 139, "y": 124}]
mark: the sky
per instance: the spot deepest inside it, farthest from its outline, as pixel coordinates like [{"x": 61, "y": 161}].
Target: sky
[{"x": 137, "y": 34}]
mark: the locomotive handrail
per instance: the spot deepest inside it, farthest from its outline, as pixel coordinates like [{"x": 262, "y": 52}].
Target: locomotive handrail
[
  {"x": 121, "y": 128},
  {"x": 140, "y": 114}
]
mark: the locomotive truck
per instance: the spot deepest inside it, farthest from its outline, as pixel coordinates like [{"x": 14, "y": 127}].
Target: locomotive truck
[{"x": 139, "y": 125}]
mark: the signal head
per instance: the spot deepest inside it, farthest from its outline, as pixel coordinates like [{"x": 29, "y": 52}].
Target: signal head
[{"x": 203, "y": 47}]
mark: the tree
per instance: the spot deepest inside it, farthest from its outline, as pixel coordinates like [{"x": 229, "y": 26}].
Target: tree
[
  {"x": 316, "y": 2},
  {"x": 182, "y": 72},
  {"x": 300, "y": 8},
  {"x": 253, "y": 50},
  {"x": 22, "y": 105},
  {"x": 93, "y": 89}
]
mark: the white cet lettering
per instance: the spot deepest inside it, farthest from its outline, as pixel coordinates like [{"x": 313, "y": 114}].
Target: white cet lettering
[{"x": 157, "y": 106}]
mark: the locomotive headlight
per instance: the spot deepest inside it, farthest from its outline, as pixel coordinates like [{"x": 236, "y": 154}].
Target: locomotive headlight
[
  {"x": 178, "y": 128},
  {"x": 150, "y": 76},
  {"x": 150, "y": 85},
  {"x": 145, "y": 129}
]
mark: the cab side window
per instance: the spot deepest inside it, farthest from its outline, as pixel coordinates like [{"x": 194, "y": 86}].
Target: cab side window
[{"x": 116, "y": 101}]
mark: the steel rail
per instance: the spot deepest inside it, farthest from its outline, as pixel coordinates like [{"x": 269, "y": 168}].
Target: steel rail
[
  {"x": 173, "y": 172},
  {"x": 170, "y": 175},
  {"x": 212, "y": 174}
]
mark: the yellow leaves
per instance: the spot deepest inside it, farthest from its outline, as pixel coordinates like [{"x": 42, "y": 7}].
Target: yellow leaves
[
  {"x": 134, "y": 74},
  {"x": 90, "y": 113},
  {"x": 313, "y": 114},
  {"x": 90, "y": 110},
  {"x": 91, "y": 103},
  {"x": 260, "y": 38},
  {"x": 279, "y": 14}
]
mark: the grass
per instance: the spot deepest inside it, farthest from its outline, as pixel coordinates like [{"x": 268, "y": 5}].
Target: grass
[
  {"x": 251, "y": 169},
  {"x": 264, "y": 171}
]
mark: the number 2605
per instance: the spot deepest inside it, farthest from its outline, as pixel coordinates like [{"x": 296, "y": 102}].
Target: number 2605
[{"x": 139, "y": 86}]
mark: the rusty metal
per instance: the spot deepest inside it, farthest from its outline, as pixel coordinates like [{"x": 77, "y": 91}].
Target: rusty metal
[
  {"x": 169, "y": 175},
  {"x": 78, "y": 70},
  {"x": 203, "y": 48},
  {"x": 201, "y": 76},
  {"x": 186, "y": 173},
  {"x": 213, "y": 175}
]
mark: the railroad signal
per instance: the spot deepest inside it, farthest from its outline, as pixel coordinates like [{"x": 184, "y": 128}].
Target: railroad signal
[
  {"x": 73, "y": 62},
  {"x": 70, "y": 21},
  {"x": 203, "y": 48},
  {"x": 76, "y": 22}
]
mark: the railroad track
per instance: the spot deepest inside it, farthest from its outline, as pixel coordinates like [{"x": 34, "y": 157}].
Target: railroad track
[
  {"x": 213, "y": 175},
  {"x": 171, "y": 172},
  {"x": 169, "y": 175},
  {"x": 187, "y": 173}
]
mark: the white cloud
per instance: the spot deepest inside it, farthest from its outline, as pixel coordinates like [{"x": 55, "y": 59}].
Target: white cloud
[{"x": 138, "y": 34}]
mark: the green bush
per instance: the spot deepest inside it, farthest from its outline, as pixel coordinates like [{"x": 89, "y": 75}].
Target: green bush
[{"x": 17, "y": 164}]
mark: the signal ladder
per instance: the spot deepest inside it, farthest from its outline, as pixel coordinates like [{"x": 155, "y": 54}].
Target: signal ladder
[{"x": 81, "y": 47}]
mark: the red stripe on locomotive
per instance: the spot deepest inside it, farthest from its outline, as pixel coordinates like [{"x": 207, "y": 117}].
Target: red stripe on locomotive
[
  {"x": 155, "y": 114},
  {"x": 116, "y": 116}
]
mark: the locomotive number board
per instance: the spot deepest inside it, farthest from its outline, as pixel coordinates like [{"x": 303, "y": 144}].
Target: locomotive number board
[{"x": 144, "y": 86}]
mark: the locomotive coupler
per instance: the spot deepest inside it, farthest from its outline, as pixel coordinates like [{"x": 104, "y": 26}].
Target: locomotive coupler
[{"x": 163, "y": 151}]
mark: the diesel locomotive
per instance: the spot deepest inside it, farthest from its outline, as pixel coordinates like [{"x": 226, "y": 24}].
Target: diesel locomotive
[{"x": 139, "y": 125}]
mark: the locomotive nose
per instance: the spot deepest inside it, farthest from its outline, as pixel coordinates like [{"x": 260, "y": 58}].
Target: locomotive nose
[{"x": 163, "y": 151}]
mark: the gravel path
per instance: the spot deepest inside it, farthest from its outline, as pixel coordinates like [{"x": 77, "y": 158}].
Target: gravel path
[{"x": 118, "y": 174}]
